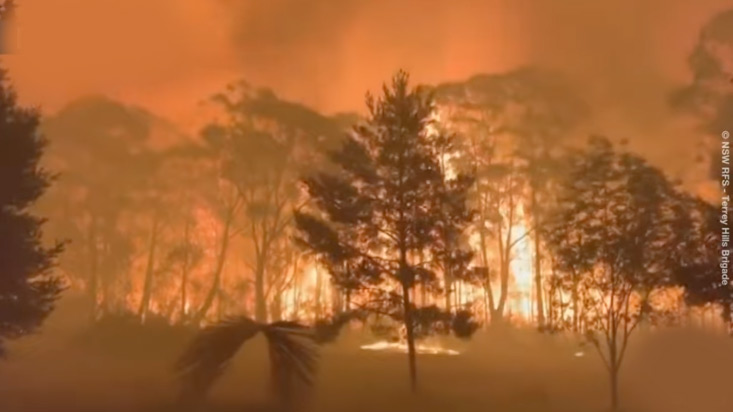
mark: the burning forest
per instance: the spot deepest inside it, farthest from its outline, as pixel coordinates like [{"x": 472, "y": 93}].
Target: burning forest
[{"x": 498, "y": 235}]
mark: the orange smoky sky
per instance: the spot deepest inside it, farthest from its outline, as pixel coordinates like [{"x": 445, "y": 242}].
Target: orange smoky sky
[{"x": 168, "y": 55}]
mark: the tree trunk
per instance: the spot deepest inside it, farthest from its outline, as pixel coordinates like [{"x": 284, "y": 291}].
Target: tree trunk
[
  {"x": 448, "y": 290},
  {"x": 412, "y": 361},
  {"x": 490, "y": 307},
  {"x": 184, "y": 294},
  {"x": 336, "y": 300},
  {"x": 276, "y": 307},
  {"x": 551, "y": 304},
  {"x": 149, "y": 273},
  {"x": 614, "y": 386},
  {"x": 497, "y": 315},
  {"x": 209, "y": 300},
  {"x": 93, "y": 276},
  {"x": 260, "y": 304},
  {"x": 576, "y": 306},
  {"x": 538, "y": 283},
  {"x": 537, "y": 261},
  {"x": 184, "y": 271},
  {"x": 318, "y": 309}
]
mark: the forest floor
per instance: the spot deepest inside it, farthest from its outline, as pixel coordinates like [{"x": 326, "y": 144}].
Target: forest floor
[{"x": 509, "y": 371}]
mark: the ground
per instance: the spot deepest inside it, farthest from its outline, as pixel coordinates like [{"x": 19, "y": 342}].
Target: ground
[{"x": 507, "y": 371}]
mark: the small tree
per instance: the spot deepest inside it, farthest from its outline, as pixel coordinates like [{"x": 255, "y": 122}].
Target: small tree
[
  {"x": 379, "y": 215},
  {"x": 615, "y": 228},
  {"x": 27, "y": 290}
]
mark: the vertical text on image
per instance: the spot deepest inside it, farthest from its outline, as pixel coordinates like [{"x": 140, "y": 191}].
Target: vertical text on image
[{"x": 725, "y": 199}]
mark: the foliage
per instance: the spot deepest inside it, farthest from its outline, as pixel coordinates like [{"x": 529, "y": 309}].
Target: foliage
[
  {"x": 291, "y": 350},
  {"x": 613, "y": 235},
  {"x": 697, "y": 257},
  {"x": 377, "y": 220},
  {"x": 28, "y": 289},
  {"x": 264, "y": 144}
]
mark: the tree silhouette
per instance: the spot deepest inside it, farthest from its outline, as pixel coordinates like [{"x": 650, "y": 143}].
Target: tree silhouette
[
  {"x": 264, "y": 144},
  {"x": 616, "y": 228},
  {"x": 28, "y": 290},
  {"x": 378, "y": 215},
  {"x": 698, "y": 258}
]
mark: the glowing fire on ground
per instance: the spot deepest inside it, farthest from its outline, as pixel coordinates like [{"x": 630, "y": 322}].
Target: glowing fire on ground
[{"x": 401, "y": 347}]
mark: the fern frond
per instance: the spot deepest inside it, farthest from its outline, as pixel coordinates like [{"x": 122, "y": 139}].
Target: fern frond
[
  {"x": 206, "y": 358},
  {"x": 293, "y": 356}
]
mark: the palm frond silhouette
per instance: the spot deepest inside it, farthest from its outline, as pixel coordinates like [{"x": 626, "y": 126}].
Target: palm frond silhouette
[{"x": 291, "y": 347}]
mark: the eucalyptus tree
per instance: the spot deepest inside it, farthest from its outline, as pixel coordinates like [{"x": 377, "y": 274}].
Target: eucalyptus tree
[
  {"x": 514, "y": 126},
  {"x": 264, "y": 143},
  {"x": 619, "y": 228}
]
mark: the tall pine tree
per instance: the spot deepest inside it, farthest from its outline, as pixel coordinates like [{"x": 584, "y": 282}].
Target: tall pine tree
[
  {"x": 27, "y": 288},
  {"x": 380, "y": 221}
]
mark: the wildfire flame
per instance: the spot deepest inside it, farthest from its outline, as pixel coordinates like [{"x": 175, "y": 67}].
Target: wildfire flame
[
  {"x": 308, "y": 295},
  {"x": 522, "y": 268}
]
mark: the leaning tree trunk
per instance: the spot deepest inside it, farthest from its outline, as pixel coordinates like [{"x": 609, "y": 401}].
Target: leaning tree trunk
[
  {"x": 505, "y": 255},
  {"x": 149, "y": 272},
  {"x": 213, "y": 291},
  {"x": 497, "y": 314}
]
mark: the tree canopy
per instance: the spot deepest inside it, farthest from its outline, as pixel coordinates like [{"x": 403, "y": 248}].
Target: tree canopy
[
  {"x": 28, "y": 288},
  {"x": 377, "y": 219}
]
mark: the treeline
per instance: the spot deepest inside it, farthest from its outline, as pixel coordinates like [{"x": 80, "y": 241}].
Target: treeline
[{"x": 190, "y": 228}]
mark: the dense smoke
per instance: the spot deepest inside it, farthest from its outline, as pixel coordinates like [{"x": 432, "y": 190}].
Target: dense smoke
[
  {"x": 327, "y": 53},
  {"x": 168, "y": 55}
]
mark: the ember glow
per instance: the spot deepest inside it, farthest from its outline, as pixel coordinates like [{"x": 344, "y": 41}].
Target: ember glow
[{"x": 401, "y": 347}]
